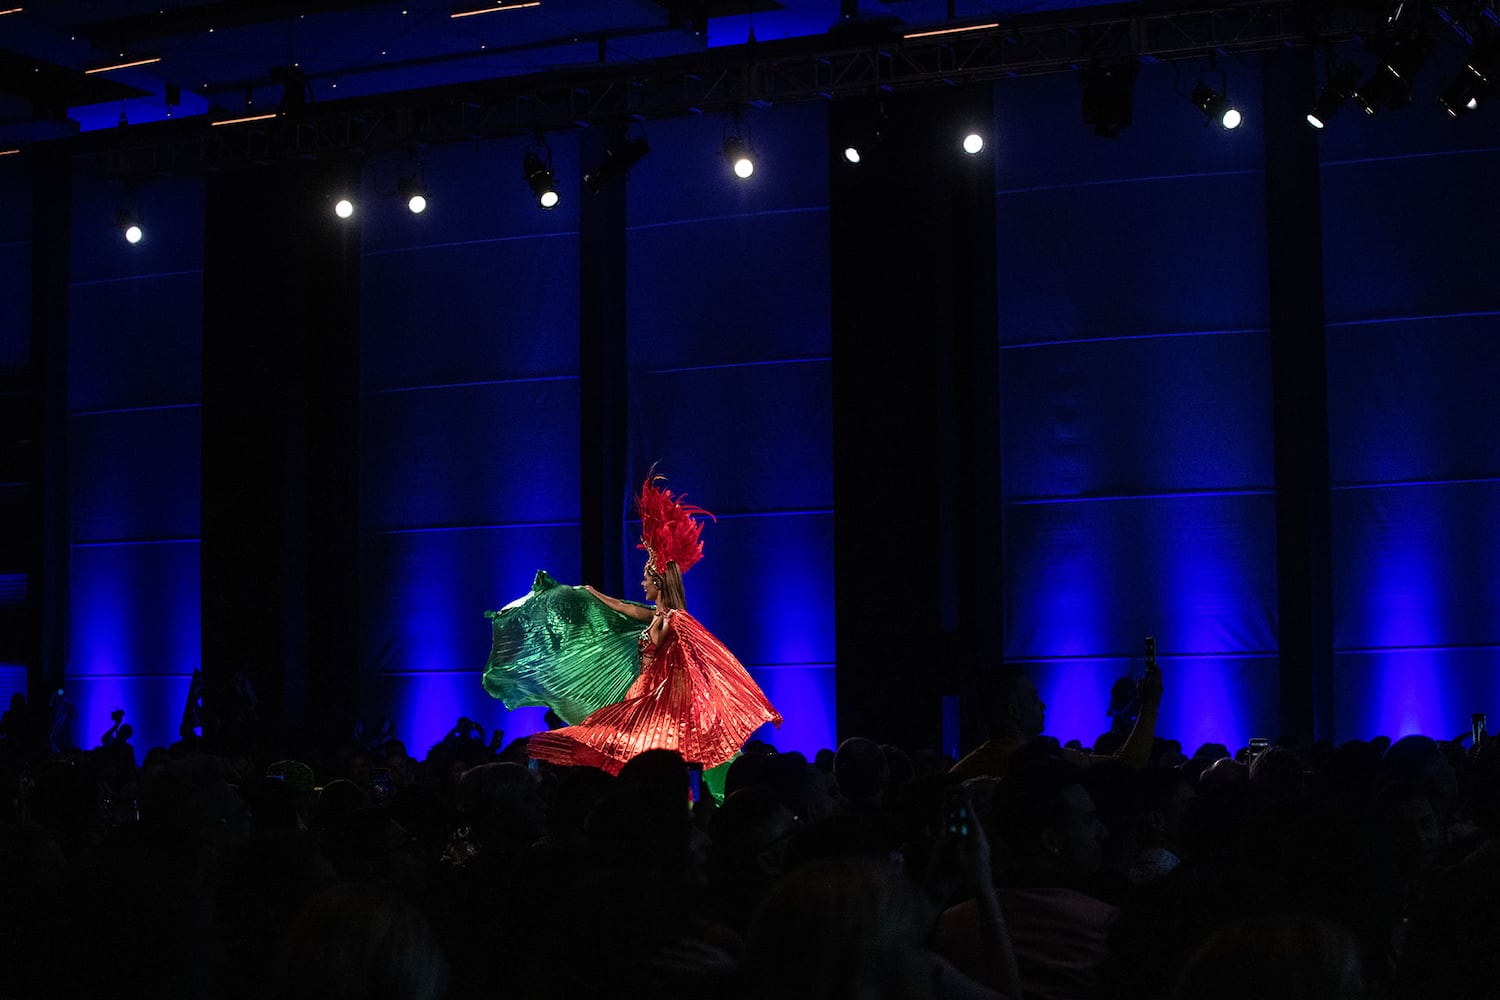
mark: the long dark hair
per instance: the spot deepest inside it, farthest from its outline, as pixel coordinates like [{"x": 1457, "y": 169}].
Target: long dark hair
[{"x": 669, "y": 587}]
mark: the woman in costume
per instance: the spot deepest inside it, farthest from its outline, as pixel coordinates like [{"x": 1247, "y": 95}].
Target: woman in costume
[{"x": 690, "y": 693}]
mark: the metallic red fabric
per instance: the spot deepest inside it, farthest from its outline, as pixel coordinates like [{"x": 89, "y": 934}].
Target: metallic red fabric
[{"x": 692, "y": 696}]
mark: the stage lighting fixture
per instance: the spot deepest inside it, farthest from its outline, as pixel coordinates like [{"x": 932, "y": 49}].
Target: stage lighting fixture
[
  {"x": 128, "y": 221},
  {"x": 973, "y": 143},
  {"x": 1107, "y": 96},
  {"x": 1474, "y": 81},
  {"x": 1216, "y": 107},
  {"x": 861, "y": 134},
  {"x": 1335, "y": 94},
  {"x": 413, "y": 192},
  {"x": 1389, "y": 87},
  {"x": 343, "y": 208},
  {"x": 538, "y": 174},
  {"x": 740, "y": 156},
  {"x": 620, "y": 156}
]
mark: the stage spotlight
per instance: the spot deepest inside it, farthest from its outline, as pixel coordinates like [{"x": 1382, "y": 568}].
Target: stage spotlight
[
  {"x": 973, "y": 143},
  {"x": 1216, "y": 107},
  {"x": 620, "y": 156},
  {"x": 343, "y": 208},
  {"x": 1389, "y": 88},
  {"x": 1462, "y": 95},
  {"x": 1474, "y": 81},
  {"x": 1335, "y": 94},
  {"x": 539, "y": 176},
  {"x": 861, "y": 134},
  {"x": 413, "y": 192},
  {"x": 128, "y": 221},
  {"x": 740, "y": 156},
  {"x": 1107, "y": 96}
]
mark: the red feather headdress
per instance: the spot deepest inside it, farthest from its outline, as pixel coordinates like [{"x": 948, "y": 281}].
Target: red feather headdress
[{"x": 669, "y": 532}]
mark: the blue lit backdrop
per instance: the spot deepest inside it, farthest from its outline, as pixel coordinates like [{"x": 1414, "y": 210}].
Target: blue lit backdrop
[
  {"x": 134, "y": 383},
  {"x": 1136, "y": 453},
  {"x": 1413, "y": 314},
  {"x": 1136, "y": 450}
]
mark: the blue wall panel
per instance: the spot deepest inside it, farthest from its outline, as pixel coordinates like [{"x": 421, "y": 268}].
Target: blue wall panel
[
  {"x": 1209, "y": 699},
  {"x": 1137, "y": 461},
  {"x": 729, "y": 342},
  {"x": 766, "y": 431},
  {"x": 1411, "y": 235},
  {"x": 1409, "y": 251},
  {"x": 134, "y": 454},
  {"x": 1414, "y": 400},
  {"x": 139, "y": 342},
  {"x": 720, "y": 291},
  {"x": 134, "y": 609},
  {"x": 1145, "y": 415},
  {"x": 1097, "y": 577},
  {"x": 440, "y": 584},
  {"x": 153, "y": 708},
  {"x": 497, "y": 453},
  {"x": 469, "y": 363},
  {"x": 471, "y": 312},
  {"x": 1417, "y": 566},
  {"x": 135, "y": 474},
  {"x": 1401, "y": 692}
]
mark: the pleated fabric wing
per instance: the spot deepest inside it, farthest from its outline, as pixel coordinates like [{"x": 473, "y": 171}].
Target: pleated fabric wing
[
  {"x": 562, "y": 648},
  {"x": 692, "y": 696}
]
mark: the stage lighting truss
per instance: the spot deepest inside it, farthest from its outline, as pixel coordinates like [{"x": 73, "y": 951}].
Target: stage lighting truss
[
  {"x": 537, "y": 168},
  {"x": 620, "y": 156}
]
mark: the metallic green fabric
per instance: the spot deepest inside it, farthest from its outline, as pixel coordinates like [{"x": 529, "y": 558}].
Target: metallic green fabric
[{"x": 563, "y": 648}]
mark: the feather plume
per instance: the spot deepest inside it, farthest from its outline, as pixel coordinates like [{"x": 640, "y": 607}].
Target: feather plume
[{"x": 669, "y": 531}]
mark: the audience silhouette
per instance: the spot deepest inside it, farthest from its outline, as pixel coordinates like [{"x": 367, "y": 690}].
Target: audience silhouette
[{"x": 221, "y": 867}]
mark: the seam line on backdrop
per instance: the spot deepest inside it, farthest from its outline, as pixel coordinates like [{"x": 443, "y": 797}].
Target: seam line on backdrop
[
  {"x": 413, "y": 248},
  {"x": 456, "y": 671},
  {"x": 1453, "y": 648},
  {"x": 1395, "y": 484},
  {"x": 113, "y": 542},
  {"x": 1382, "y": 320},
  {"x": 508, "y": 525},
  {"x": 1488, "y": 150},
  {"x": 505, "y": 526},
  {"x": 1243, "y": 654},
  {"x": 721, "y": 218},
  {"x": 742, "y": 364},
  {"x": 1003, "y": 192},
  {"x": 1131, "y": 336},
  {"x": 136, "y": 409},
  {"x": 1044, "y": 501},
  {"x": 470, "y": 385},
  {"x": 85, "y": 678},
  {"x": 85, "y": 283}
]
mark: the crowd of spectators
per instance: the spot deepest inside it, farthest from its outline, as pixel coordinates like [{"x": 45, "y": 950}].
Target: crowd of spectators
[{"x": 1369, "y": 869}]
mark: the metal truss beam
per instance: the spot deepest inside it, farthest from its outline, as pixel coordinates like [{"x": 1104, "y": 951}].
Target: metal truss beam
[{"x": 725, "y": 80}]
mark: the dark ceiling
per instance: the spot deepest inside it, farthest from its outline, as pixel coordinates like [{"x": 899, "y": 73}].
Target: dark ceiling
[
  {"x": 147, "y": 73},
  {"x": 228, "y": 56}
]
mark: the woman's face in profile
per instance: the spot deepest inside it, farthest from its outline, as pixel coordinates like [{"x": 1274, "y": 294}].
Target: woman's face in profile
[{"x": 649, "y": 584}]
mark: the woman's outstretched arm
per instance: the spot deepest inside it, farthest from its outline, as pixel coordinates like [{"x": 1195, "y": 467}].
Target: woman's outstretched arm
[{"x": 640, "y": 612}]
